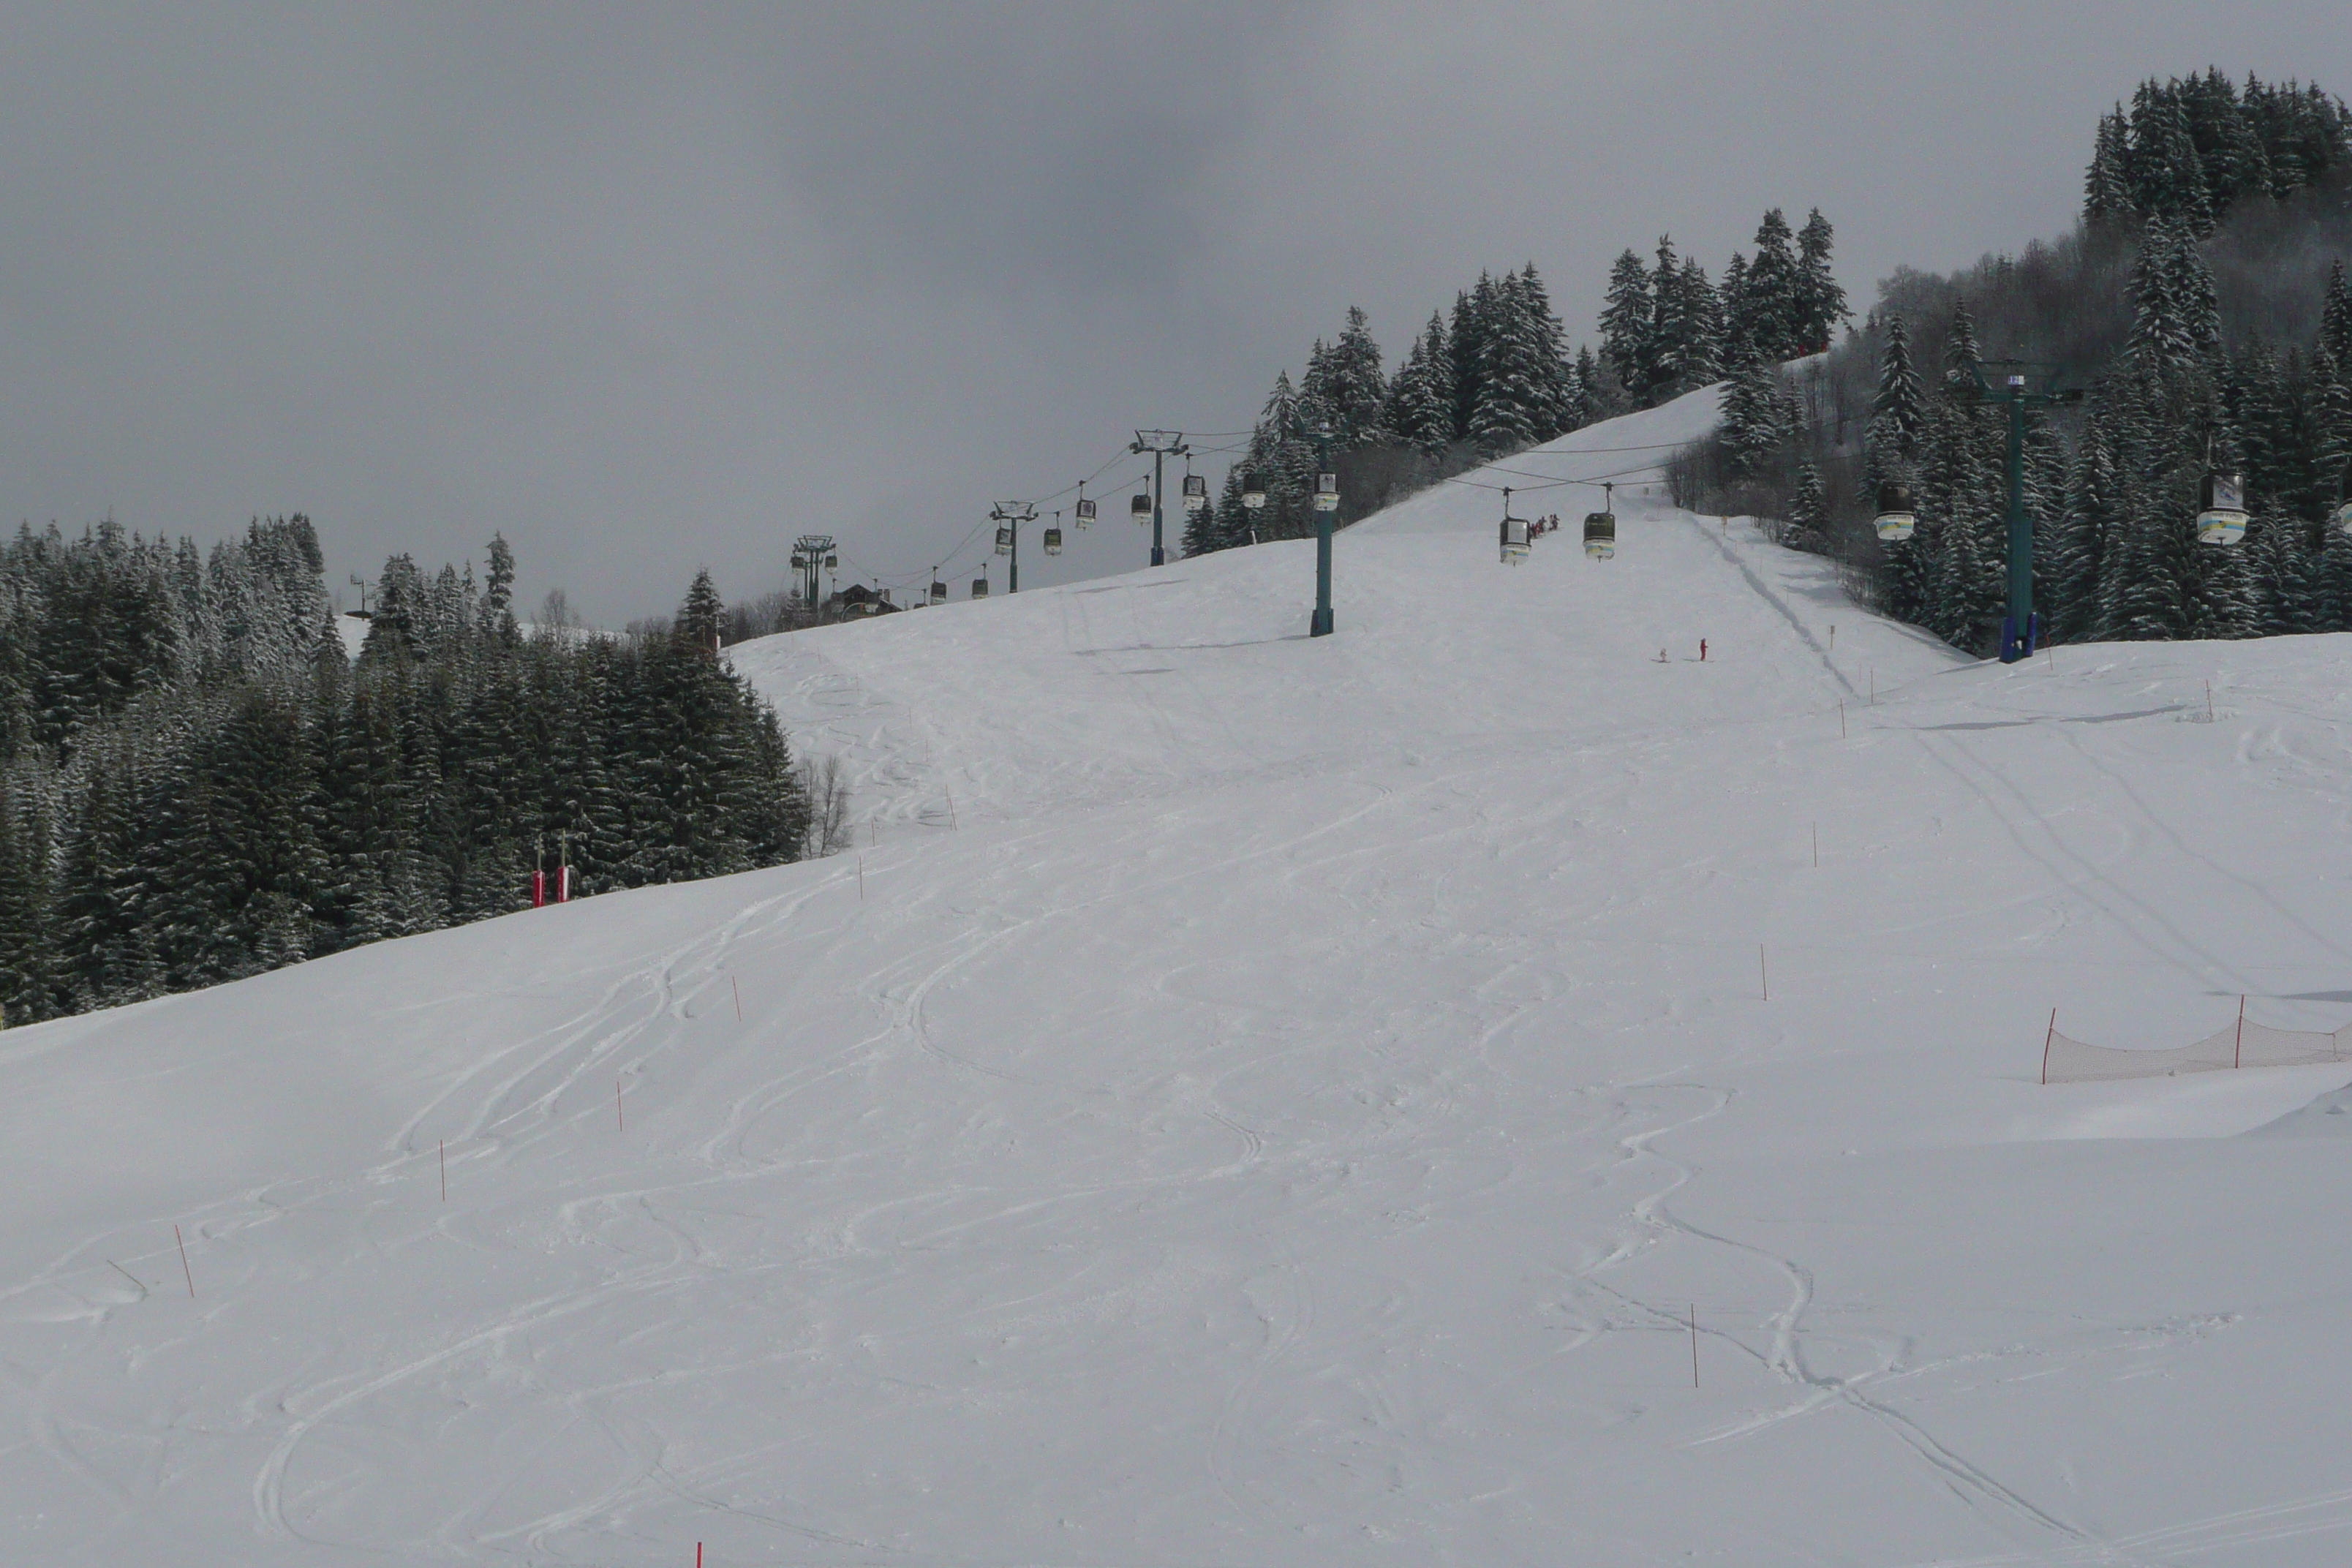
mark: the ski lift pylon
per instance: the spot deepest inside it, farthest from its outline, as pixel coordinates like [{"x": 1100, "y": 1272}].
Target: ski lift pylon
[
  {"x": 1896, "y": 519},
  {"x": 1601, "y": 535},
  {"x": 2221, "y": 510}
]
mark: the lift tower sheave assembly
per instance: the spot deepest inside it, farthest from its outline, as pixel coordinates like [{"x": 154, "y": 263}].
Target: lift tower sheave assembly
[
  {"x": 813, "y": 553},
  {"x": 1162, "y": 445}
]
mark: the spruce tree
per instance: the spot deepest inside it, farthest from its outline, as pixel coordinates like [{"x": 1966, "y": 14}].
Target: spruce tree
[
  {"x": 1625, "y": 317},
  {"x": 1899, "y": 415},
  {"x": 1420, "y": 409},
  {"x": 1750, "y": 427},
  {"x": 1820, "y": 300},
  {"x": 1772, "y": 296},
  {"x": 1357, "y": 389},
  {"x": 2106, "y": 187}
]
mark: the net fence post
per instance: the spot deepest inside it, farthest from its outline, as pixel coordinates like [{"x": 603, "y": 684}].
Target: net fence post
[
  {"x": 2238, "y": 1048},
  {"x": 2046, "y": 1041}
]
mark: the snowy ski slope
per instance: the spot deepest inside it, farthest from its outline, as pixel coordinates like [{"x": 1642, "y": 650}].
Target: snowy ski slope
[{"x": 1257, "y": 1101}]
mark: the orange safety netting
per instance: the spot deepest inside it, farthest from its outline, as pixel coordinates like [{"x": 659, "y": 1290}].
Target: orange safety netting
[{"x": 2243, "y": 1043}]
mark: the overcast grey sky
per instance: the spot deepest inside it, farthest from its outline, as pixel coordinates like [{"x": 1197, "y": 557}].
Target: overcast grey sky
[{"x": 657, "y": 287}]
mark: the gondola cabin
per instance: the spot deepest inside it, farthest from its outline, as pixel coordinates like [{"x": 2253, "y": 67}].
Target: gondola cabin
[
  {"x": 1196, "y": 492},
  {"x": 1515, "y": 540},
  {"x": 939, "y": 591},
  {"x": 1252, "y": 492},
  {"x": 979, "y": 587},
  {"x": 2221, "y": 510},
  {"x": 1897, "y": 520},
  {"x": 1139, "y": 507},
  {"x": 1601, "y": 535},
  {"x": 2344, "y": 501},
  {"x": 1085, "y": 514},
  {"x": 1005, "y": 539},
  {"x": 1053, "y": 541},
  {"x": 799, "y": 562}
]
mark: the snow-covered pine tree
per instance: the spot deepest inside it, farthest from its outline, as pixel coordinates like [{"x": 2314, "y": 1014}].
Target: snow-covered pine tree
[
  {"x": 2329, "y": 400},
  {"x": 1809, "y": 512},
  {"x": 1771, "y": 297},
  {"x": 1599, "y": 394},
  {"x": 1420, "y": 410},
  {"x": 2074, "y": 546},
  {"x": 1514, "y": 383},
  {"x": 1820, "y": 304},
  {"x": 2335, "y": 318},
  {"x": 1357, "y": 388},
  {"x": 701, "y": 615},
  {"x": 1684, "y": 332},
  {"x": 1732, "y": 296},
  {"x": 1898, "y": 413},
  {"x": 1625, "y": 315},
  {"x": 1467, "y": 338},
  {"x": 1750, "y": 427},
  {"x": 2107, "y": 184},
  {"x": 1557, "y": 410}
]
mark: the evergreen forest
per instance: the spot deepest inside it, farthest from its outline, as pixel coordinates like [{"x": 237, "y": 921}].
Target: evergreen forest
[
  {"x": 2201, "y": 309},
  {"x": 198, "y": 782}
]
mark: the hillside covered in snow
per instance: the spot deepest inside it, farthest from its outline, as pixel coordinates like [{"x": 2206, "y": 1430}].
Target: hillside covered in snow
[{"x": 1486, "y": 1087}]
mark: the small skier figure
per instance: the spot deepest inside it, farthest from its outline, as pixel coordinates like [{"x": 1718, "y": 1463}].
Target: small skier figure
[{"x": 1701, "y": 650}]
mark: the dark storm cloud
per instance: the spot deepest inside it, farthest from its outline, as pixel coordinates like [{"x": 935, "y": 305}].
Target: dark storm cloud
[{"x": 651, "y": 288}]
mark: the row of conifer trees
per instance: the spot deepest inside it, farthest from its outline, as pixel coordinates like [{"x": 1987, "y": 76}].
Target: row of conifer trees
[
  {"x": 2112, "y": 487},
  {"x": 200, "y": 784},
  {"x": 1497, "y": 376}
]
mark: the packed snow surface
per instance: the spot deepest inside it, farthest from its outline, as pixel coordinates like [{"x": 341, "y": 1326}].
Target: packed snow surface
[{"x": 1260, "y": 1100}]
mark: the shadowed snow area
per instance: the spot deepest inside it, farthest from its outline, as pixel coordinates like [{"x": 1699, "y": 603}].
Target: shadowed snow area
[{"x": 1258, "y": 1100}]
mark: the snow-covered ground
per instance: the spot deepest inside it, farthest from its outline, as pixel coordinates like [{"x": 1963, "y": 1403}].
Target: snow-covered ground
[{"x": 1266, "y": 1100}]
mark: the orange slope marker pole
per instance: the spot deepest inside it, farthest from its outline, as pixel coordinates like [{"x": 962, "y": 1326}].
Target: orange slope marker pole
[{"x": 184, "y": 1262}]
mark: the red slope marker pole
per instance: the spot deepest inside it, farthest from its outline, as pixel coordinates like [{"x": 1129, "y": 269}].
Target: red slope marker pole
[
  {"x": 2046, "y": 1040},
  {"x": 184, "y": 1262}
]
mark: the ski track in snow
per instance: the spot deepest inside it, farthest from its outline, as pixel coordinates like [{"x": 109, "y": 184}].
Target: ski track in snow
[{"x": 1284, "y": 1112}]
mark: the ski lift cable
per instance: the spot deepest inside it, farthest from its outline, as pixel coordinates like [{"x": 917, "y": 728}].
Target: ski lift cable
[{"x": 1595, "y": 480}]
